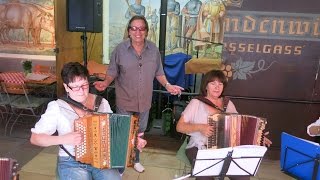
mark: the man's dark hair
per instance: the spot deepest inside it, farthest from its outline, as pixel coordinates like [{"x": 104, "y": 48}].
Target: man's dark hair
[{"x": 73, "y": 69}]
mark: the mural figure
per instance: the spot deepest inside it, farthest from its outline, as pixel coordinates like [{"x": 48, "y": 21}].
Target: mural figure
[
  {"x": 173, "y": 11},
  {"x": 210, "y": 22},
  {"x": 154, "y": 18},
  {"x": 134, "y": 9},
  {"x": 30, "y": 17},
  {"x": 190, "y": 12}
]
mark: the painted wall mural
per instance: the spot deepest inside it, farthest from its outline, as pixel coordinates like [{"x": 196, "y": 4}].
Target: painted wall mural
[
  {"x": 251, "y": 39},
  {"x": 192, "y": 25},
  {"x": 27, "y": 27},
  {"x": 125, "y": 9}
]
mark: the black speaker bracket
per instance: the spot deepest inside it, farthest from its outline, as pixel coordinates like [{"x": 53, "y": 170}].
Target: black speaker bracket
[{"x": 84, "y": 48}]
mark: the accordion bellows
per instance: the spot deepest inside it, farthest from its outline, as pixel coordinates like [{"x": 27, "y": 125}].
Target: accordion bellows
[
  {"x": 234, "y": 129},
  {"x": 8, "y": 169},
  {"x": 109, "y": 140}
]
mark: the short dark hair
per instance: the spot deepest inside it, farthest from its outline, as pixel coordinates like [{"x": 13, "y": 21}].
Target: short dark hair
[
  {"x": 138, "y": 17},
  {"x": 212, "y": 76},
  {"x": 73, "y": 69}
]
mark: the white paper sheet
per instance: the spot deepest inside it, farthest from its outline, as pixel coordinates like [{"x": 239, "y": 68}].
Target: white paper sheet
[
  {"x": 246, "y": 156},
  {"x": 36, "y": 77}
]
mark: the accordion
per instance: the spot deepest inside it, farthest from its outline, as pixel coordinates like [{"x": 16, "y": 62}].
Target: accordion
[
  {"x": 234, "y": 129},
  {"x": 8, "y": 169},
  {"x": 108, "y": 140}
]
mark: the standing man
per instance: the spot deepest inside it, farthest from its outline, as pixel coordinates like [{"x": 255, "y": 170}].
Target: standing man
[{"x": 134, "y": 64}]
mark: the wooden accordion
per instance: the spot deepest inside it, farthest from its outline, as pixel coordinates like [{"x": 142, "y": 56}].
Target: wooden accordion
[
  {"x": 234, "y": 129},
  {"x": 8, "y": 169},
  {"x": 109, "y": 140}
]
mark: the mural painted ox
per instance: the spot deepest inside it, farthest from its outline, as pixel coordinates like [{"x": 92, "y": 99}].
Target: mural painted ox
[{"x": 29, "y": 17}]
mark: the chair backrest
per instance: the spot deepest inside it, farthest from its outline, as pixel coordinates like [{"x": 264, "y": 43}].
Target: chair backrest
[{"x": 3, "y": 96}]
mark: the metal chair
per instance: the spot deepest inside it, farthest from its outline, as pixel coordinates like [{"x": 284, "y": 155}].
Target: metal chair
[
  {"x": 25, "y": 104},
  {"x": 5, "y": 100}
]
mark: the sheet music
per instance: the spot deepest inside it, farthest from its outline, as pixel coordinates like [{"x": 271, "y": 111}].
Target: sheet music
[
  {"x": 246, "y": 156},
  {"x": 217, "y": 154},
  {"x": 36, "y": 77},
  {"x": 247, "y": 160}
]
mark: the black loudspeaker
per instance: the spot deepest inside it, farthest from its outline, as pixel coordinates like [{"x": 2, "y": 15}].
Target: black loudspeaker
[{"x": 84, "y": 16}]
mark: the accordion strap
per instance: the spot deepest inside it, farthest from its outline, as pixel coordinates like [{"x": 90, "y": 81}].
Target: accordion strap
[
  {"x": 208, "y": 102},
  {"x": 65, "y": 150},
  {"x": 81, "y": 106}
]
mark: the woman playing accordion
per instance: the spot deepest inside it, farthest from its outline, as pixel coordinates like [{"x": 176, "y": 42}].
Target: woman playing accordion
[{"x": 194, "y": 119}]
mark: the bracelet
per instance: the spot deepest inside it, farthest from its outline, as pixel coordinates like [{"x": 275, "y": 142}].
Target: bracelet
[{"x": 166, "y": 84}]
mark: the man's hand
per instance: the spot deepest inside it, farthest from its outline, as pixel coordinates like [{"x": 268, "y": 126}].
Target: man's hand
[
  {"x": 174, "y": 89},
  {"x": 100, "y": 85}
]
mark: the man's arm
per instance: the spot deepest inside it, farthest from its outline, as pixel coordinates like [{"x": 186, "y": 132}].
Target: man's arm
[
  {"x": 102, "y": 85},
  {"x": 173, "y": 89}
]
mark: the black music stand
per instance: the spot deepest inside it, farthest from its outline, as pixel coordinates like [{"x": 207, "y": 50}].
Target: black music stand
[
  {"x": 300, "y": 158},
  {"x": 229, "y": 162}
]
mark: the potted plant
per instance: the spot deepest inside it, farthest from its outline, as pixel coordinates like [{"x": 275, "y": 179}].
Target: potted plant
[{"x": 27, "y": 66}]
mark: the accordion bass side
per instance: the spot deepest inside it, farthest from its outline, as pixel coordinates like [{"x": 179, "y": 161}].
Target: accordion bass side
[
  {"x": 109, "y": 140},
  {"x": 8, "y": 169},
  {"x": 234, "y": 129}
]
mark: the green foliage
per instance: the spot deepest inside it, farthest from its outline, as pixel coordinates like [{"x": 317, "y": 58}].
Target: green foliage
[{"x": 27, "y": 65}]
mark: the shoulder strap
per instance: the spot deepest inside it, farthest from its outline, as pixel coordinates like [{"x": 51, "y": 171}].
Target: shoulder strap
[
  {"x": 75, "y": 103},
  {"x": 226, "y": 100},
  {"x": 81, "y": 106},
  {"x": 97, "y": 103},
  {"x": 208, "y": 102},
  {"x": 65, "y": 150}
]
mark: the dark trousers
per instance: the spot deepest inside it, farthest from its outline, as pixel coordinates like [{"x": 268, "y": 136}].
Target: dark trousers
[{"x": 192, "y": 154}]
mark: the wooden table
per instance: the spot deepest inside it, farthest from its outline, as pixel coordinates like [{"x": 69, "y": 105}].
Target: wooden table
[{"x": 20, "y": 78}]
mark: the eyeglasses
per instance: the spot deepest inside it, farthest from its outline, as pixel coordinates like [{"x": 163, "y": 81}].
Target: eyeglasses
[
  {"x": 134, "y": 28},
  {"x": 84, "y": 86}
]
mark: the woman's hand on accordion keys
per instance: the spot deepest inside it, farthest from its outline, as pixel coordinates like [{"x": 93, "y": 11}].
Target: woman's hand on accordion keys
[
  {"x": 206, "y": 130},
  {"x": 73, "y": 138},
  {"x": 266, "y": 141}
]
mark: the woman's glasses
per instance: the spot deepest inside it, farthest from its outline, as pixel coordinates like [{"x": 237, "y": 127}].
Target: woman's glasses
[
  {"x": 134, "y": 28},
  {"x": 84, "y": 86}
]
